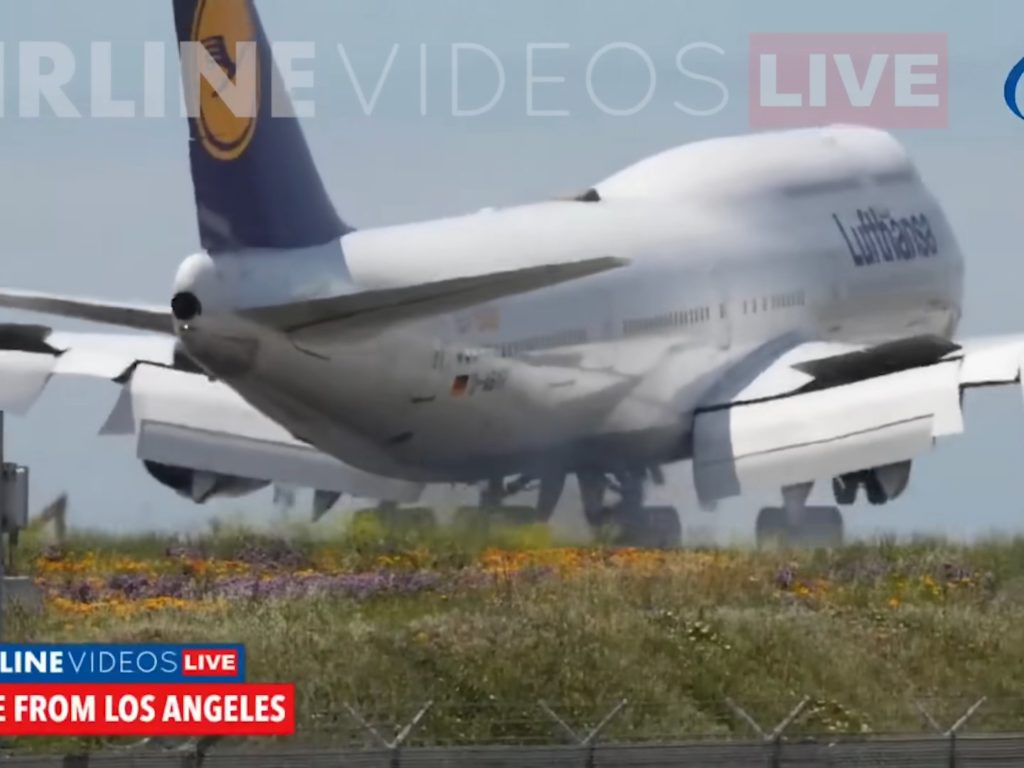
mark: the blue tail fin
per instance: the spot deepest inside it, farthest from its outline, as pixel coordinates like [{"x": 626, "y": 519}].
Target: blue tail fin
[{"x": 255, "y": 182}]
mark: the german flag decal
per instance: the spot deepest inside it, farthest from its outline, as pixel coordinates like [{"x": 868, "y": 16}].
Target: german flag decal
[{"x": 460, "y": 385}]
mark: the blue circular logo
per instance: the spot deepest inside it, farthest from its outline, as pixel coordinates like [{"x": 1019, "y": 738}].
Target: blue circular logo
[{"x": 1010, "y": 88}]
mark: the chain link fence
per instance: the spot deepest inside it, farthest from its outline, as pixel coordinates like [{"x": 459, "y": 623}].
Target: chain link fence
[
  {"x": 921, "y": 752},
  {"x": 809, "y": 732}
]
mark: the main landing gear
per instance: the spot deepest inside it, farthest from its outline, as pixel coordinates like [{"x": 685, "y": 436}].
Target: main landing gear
[
  {"x": 627, "y": 521},
  {"x": 613, "y": 506},
  {"x": 392, "y": 517},
  {"x": 797, "y": 523},
  {"x": 493, "y": 509}
]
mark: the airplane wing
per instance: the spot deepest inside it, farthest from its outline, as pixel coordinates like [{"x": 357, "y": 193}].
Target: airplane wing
[
  {"x": 791, "y": 414},
  {"x": 30, "y": 355},
  {"x": 368, "y": 311},
  {"x": 186, "y": 420},
  {"x": 181, "y": 417}
]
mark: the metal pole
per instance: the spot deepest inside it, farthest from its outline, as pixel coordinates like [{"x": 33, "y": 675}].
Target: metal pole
[{"x": 3, "y": 526}]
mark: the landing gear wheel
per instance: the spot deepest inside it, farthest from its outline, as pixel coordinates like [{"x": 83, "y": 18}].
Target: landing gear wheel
[
  {"x": 845, "y": 488},
  {"x": 644, "y": 528},
  {"x": 627, "y": 523},
  {"x": 654, "y": 528},
  {"x": 482, "y": 519},
  {"x": 807, "y": 527},
  {"x": 875, "y": 490},
  {"x": 548, "y": 496},
  {"x": 493, "y": 510},
  {"x": 821, "y": 527},
  {"x": 593, "y": 486},
  {"x": 772, "y": 528},
  {"x": 393, "y": 518}
]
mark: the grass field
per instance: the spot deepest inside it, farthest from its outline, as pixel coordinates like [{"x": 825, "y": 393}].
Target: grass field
[{"x": 487, "y": 627}]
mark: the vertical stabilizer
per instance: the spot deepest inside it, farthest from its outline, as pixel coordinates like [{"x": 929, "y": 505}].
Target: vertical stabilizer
[{"x": 256, "y": 185}]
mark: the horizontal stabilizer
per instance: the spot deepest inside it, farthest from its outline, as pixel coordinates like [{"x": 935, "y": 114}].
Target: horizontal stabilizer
[
  {"x": 142, "y": 318},
  {"x": 374, "y": 310}
]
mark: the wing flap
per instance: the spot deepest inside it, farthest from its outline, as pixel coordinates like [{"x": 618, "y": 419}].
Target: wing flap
[
  {"x": 849, "y": 409},
  {"x": 992, "y": 361},
  {"x": 824, "y": 433}
]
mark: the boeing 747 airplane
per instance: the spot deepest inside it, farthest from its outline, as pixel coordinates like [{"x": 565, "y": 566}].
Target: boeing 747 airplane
[{"x": 777, "y": 309}]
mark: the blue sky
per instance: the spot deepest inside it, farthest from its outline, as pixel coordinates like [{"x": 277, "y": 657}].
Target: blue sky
[{"x": 104, "y": 207}]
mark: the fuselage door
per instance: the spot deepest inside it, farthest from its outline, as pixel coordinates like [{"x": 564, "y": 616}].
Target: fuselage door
[{"x": 722, "y": 310}]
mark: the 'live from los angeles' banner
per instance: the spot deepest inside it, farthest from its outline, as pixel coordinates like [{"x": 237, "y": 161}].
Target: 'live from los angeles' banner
[{"x": 137, "y": 690}]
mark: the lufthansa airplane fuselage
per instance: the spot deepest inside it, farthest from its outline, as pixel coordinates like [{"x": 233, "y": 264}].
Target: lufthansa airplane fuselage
[{"x": 825, "y": 234}]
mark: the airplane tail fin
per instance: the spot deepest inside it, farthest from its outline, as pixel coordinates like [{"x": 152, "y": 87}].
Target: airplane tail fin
[{"x": 256, "y": 185}]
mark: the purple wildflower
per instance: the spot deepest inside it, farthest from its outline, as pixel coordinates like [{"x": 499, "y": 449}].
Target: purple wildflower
[
  {"x": 272, "y": 553},
  {"x": 785, "y": 577}
]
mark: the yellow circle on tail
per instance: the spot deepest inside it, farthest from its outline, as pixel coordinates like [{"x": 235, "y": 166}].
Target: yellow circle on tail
[{"x": 228, "y": 109}]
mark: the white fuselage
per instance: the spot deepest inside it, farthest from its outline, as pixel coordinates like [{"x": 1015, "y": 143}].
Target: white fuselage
[{"x": 733, "y": 244}]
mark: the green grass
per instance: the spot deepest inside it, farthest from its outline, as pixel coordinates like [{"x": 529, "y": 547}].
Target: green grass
[{"x": 866, "y": 632}]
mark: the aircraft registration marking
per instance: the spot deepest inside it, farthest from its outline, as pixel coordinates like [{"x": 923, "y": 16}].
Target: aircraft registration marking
[{"x": 469, "y": 384}]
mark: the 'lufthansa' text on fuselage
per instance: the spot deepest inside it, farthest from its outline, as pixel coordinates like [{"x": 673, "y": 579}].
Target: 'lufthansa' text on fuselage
[{"x": 877, "y": 237}]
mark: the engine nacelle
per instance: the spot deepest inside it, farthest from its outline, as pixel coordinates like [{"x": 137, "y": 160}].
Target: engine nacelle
[{"x": 201, "y": 486}]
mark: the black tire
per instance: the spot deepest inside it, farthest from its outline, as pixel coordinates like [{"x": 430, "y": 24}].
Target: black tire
[
  {"x": 418, "y": 518},
  {"x": 820, "y": 527},
  {"x": 548, "y": 496},
  {"x": 483, "y": 518},
  {"x": 772, "y": 527},
  {"x": 471, "y": 519},
  {"x": 644, "y": 528},
  {"x": 875, "y": 490},
  {"x": 653, "y": 528},
  {"x": 845, "y": 488},
  {"x": 398, "y": 519},
  {"x": 517, "y": 515}
]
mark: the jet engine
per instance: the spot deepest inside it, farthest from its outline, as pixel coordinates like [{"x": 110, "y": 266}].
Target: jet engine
[{"x": 201, "y": 486}]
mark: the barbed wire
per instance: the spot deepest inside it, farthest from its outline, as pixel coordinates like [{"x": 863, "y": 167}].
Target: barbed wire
[{"x": 591, "y": 729}]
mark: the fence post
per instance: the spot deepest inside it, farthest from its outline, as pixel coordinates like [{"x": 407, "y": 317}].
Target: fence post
[
  {"x": 954, "y": 729},
  {"x": 394, "y": 746},
  {"x": 775, "y": 737},
  {"x": 589, "y": 741}
]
